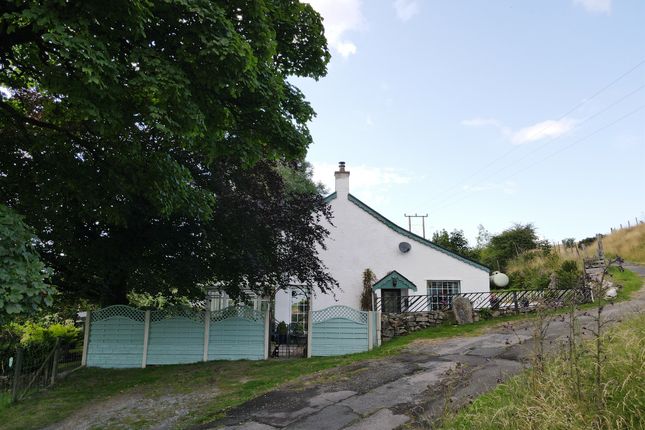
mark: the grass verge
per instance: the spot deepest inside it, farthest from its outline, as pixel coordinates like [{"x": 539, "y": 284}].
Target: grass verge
[
  {"x": 560, "y": 398},
  {"x": 629, "y": 281}
]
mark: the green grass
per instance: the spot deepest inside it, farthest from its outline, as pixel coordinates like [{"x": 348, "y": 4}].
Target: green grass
[
  {"x": 238, "y": 381},
  {"x": 630, "y": 282},
  {"x": 5, "y": 399},
  {"x": 556, "y": 398}
]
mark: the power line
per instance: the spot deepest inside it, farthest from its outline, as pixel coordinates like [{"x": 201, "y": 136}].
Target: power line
[
  {"x": 598, "y": 130},
  {"x": 543, "y": 145},
  {"x": 571, "y": 110}
]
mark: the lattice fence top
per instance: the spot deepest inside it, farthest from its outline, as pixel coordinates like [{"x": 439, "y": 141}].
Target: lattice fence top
[
  {"x": 338, "y": 311},
  {"x": 196, "y": 315},
  {"x": 118, "y": 311},
  {"x": 245, "y": 312}
]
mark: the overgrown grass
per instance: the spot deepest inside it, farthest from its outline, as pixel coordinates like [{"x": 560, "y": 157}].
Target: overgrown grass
[
  {"x": 555, "y": 399},
  {"x": 629, "y": 243}
]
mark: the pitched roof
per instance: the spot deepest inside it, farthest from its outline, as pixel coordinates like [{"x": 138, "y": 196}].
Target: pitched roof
[
  {"x": 401, "y": 282},
  {"x": 409, "y": 234}
]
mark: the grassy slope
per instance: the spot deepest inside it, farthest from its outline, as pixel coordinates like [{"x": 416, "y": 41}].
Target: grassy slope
[
  {"x": 551, "y": 401},
  {"x": 629, "y": 243}
]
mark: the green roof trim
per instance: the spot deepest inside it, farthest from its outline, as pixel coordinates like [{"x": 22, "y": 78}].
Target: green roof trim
[
  {"x": 413, "y": 236},
  {"x": 330, "y": 197},
  {"x": 394, "y": 280}
]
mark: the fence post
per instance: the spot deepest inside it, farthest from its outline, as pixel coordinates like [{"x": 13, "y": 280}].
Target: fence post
[
  {"x": 86, "y": 336},
  {"x": 207, "y": 332},
  {"x": 370, "y": 330},
  {"x": 17, "y": 369},
  {"x": 55, "y": 361},
  {"x": 267, "y": 323},
  {"x": 515, "y": 304},
  {"x": 378, "y": 328},
  {"x": 146, "y": 335},
  {"x": 310, "y": 326}
]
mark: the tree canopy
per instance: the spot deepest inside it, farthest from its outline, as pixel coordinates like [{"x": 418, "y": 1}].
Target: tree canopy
[
  {"x": 23, "y": 286},
  {"x": 509, "y": 244},
  {"x": 148, "y": 143},
  {"x": 454, "y": 241}
]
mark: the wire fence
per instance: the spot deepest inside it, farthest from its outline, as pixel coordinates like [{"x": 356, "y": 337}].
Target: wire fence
[{"x": 24, "y": 371}]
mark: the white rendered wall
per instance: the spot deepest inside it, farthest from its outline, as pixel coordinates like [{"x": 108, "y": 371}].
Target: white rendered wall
[{"x": 358, "y": 241}]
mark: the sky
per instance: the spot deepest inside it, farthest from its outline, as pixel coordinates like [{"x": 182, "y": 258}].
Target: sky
[{"x": 486, "y": 112}]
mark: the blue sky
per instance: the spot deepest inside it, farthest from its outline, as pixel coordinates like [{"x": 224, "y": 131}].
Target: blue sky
[{"x": 486, "y": 112}]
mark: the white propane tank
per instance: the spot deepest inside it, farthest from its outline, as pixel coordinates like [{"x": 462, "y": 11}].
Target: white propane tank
[{"x": 499, "y": 279}]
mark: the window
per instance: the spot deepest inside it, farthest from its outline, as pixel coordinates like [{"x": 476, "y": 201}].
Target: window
[
  {"x": 440, "y": 293},
  {"x": 220, "y": 301},
  {"x": 299, "y": 309}
]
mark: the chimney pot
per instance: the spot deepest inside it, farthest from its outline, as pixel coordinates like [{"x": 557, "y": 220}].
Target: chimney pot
[{"x": 342, "y": 181}]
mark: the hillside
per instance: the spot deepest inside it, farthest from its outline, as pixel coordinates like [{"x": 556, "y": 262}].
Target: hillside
[{"x": 629, "y": 243}]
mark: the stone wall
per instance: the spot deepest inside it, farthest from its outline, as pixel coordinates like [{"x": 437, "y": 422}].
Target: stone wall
[{"x": 399, "y": 324}]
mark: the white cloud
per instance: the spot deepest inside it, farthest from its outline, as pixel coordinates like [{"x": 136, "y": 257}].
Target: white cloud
[
  {"x": 406, "y": 9},
  {"x": 595, "y": 6},
  {"x": 484, "y": 122},
  {"x": 508, "y": 187},
  {"x": 340, "y": 17},
  {"x": 367, "y": 182},
  {"x": 542, "y": 130}
]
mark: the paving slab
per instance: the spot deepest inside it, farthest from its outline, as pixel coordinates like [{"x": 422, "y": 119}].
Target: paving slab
[
  {"x": 330, "y": 418},
  {"x": 384, "y": 419}
]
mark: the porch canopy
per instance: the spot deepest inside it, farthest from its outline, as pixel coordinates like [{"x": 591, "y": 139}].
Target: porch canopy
[{"x": 394, "y": 280}]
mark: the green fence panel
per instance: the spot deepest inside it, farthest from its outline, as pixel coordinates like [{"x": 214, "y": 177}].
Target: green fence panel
[
  {"x": 175, "y": 340},
  {"x": 236, "y": 333},
  {"x": 339, "y": 330},
  {"x": 175, "y": 336},
  {"x": 116, "y": 338}
]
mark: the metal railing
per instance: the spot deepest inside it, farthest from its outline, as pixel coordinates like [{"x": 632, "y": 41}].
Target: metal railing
[{"x": 495, "y": 300}]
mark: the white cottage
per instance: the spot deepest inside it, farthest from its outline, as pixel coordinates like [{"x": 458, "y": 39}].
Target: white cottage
[{"x": 404, "y": 263}]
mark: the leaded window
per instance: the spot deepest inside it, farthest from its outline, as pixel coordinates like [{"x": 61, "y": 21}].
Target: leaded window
[{"x": 440, "y": 293}]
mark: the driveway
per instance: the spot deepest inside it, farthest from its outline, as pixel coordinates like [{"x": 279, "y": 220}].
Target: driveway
[{"x": 413, "y": 387}]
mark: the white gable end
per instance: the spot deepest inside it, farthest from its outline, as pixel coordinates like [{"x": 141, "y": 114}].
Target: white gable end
[{"x": 358, "y": 240}]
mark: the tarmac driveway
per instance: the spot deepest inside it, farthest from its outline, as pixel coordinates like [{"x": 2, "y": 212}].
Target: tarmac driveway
[{"x": 414, "y": 387}]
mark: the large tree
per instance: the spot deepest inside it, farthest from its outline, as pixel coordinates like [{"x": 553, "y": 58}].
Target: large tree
[
  {"x": 138, "y": 139},
  {"x": 23, "y": 276}
]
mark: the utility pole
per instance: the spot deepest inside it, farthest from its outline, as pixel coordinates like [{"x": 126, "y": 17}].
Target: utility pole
[{"x": 423, "y": 222}]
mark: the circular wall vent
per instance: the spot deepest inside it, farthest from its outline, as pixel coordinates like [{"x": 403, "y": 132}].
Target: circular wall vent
[{"x": 404, "y": 247}]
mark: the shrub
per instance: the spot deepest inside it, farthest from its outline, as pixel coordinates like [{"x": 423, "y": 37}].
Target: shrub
[
  {"x": 31, "y": 335},
  {"x": 485, "y": 314}
]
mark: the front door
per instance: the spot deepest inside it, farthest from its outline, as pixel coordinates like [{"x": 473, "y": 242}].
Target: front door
[{"x": 391, "y": 300}]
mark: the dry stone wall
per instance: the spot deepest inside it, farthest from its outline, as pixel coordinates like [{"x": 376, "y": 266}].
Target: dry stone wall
[{"x": 399, "y": 324}]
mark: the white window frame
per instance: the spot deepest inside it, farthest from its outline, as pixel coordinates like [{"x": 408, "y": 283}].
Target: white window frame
[{"x": 441, "y": 295}]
